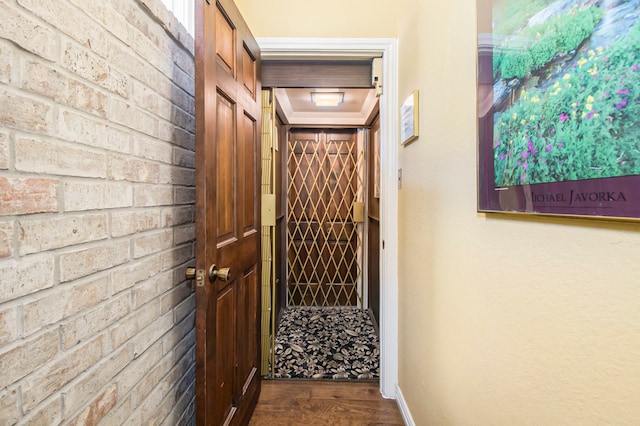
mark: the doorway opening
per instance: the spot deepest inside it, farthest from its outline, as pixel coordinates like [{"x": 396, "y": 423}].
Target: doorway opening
[{"x": 369, "y": 48}]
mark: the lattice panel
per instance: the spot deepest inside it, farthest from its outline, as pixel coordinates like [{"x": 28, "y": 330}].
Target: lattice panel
[{"x": 323, "y": 243}]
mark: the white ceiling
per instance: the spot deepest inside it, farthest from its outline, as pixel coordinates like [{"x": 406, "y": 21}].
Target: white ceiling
[{"x": 356, "y": 109}]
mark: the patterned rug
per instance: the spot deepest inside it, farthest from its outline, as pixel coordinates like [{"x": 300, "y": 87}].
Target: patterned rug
[{"x": 327, "y": 343}]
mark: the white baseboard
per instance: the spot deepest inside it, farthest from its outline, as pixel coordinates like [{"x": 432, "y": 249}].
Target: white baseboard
[{"x": 404, "y": 409}]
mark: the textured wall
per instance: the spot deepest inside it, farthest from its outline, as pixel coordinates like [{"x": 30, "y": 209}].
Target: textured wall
[{"x": 96, "y": 213}]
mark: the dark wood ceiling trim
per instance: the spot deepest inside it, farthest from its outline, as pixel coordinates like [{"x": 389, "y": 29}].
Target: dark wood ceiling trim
[{"x": 321, "y": 74}]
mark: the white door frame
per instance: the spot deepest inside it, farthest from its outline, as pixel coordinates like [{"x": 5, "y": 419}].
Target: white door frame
[{"x": 387, "y": 48}]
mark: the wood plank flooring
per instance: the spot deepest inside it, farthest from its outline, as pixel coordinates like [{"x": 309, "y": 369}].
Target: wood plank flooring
[{"x": 325, "y": 402}]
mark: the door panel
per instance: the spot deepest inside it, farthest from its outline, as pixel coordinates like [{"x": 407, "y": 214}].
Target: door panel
[{"x": 227, "y": 215}]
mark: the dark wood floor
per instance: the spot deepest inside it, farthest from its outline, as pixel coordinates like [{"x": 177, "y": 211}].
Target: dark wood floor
[{"x": 303, "y": 402}]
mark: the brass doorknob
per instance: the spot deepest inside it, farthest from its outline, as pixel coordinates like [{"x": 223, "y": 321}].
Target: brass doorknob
[
  {"x": 190, "y": 273},
  {"x": 223, "y": 273}
]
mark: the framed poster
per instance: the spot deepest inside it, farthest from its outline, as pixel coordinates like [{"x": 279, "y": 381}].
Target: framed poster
[
  {"x": 409, "y": 118},
  {"x": 559, "y": 107}
]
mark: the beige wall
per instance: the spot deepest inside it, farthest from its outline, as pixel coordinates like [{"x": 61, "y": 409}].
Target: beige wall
[
  {"x": 327, "y": 18},
  {"x": 96, "y": 214},
  {"x": 502, "y": 320}
]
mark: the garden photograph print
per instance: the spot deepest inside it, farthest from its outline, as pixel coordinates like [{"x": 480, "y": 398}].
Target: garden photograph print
[{"x": 559, "y": 107}]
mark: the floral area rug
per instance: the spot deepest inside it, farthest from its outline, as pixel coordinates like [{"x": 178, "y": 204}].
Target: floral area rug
[{"x": 326, "y": 343}]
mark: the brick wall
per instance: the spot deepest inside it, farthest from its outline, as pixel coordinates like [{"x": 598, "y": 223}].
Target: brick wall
[{"x": 96, "y": 213}]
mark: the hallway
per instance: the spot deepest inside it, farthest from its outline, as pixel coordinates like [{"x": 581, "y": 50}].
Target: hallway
[{"x": 289, "y": 402}]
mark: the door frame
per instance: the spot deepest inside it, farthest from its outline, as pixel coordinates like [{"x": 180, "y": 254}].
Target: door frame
[{"x": 387, "y": 48}]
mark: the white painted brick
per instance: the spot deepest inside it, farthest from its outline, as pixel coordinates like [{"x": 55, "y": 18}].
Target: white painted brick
[
  {"x": 184, "y": 158},
  {"x": 145, "y": 291},
  {"x": 6, "y": 239},
  {"x": 31, "y": 274},
  {"x": 119, "y": 414},
  {"x": 184, "y": 233},
  {"x": 127, "y": 276},
  {"x": 173, "y": 297},
  {"x": 4, "y": 150},
  {"x": 177, "y": 216},
  {"x": 95, "y": 69},
  {"x": 177, "y": 256},
  {"x": 132, "y": 169},
  {"x": 69, "y": 20},
  {"x": 6, "y": 63},
  {"x": 27, "y": 32},
  {"x": 30, "y": 354},
  {"x": 63, "y": 302},
  {"x": 184, "y": 81},
  {"x": 184, "y": 308},
  {"x": 186, "y": 346},
  {"x": 24, "y": 196},
  {"x": 95, "y": 320},
  {"x": 181, "y": 137},
  {"x": 132, "y": 324},
  {"x": 121, "y": 56},
  {"x": 178, "y": 333},
  {"x": 183, "y": 119},
  {"x": 40, "y": 156},
  {"x": 138, "y": 369},
  {"x": 98, "y": 408},
  {"x": 114, "y": 22},
  {"x": 79, "y": 128},
  {"x": 152, "y": 334},
  {"x": 51, "y": 233},
  {"x": 152, "y": 243},
  {"x": 152, "y": 149},
  {"x": 9, "y": 409},
  {"x": 90, "y": 260},
  {"x": 48, "y": 414},
  {"x": 177, "y": 175},
  {"x": 8, "y": 325},
  {"x": 184, "y": 60},
  {"x": 81, "y": 392},
  {"x": 185, "y": 196},
  {"x": 80, "y": 196},
  {"x": 132, "y": 222},
  {"x": 23, "y": 113},
  {"x": 50, "y": 82},
  {"x": 44, "y": 80},
  {"x": 149, "y": 50},
  {"x": 153, "y": 195},
  {"x": 150, "y": 380},
  {"x": 52, "y": 377},
  {"x": 133, "y": 118},
  {"x": 150, "y": 100},
  {"x": 87, "y": 98}
]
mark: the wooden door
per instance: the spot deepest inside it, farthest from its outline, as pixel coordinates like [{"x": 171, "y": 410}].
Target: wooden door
[
  {"x": 323, "y": 240},
  {"x": 227, "y": 215}
]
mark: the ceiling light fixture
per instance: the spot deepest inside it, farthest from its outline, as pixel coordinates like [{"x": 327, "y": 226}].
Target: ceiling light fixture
[{"x": 327, "y": 99}]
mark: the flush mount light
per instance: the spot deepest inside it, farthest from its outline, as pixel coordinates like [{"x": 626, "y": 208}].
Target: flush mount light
[{"x": 327, "y": 99}]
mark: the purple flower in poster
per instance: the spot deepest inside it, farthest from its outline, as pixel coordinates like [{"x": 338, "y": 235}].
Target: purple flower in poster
[
  {"x": 623, "y": 92},
  {"x": 525, "y": 165},
  {"x": 518, "y": 164},
  {"x": 589, "y": 115},
  {"x": 635, "y": 67},
  {"x": 549, "y": 148},
  {"x": 501, "y": 157},
  {"x": 560, "y": 144},
  {"x": 529, "y": 144},
  {"x": 553, "y": 130},
  {"x": 622, "y": 103},
  {"x": 522, "y": 177},
  {"x": 525, "y": 155},
  {"x": 563, "y": 117}
]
